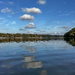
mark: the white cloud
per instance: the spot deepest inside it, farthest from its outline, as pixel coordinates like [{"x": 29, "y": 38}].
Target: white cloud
[
  {"x": 42, "y": 1},
  {"x": 71, "y": 13},
  {"x": 11, "y": 3},
  {"x": 57, "y": 33},
  {"x": 30, "y": 32},
  {"x": 66, "y": 27},
  {"x": 7, "y": 24},
  {"x": 12, "y": 13},
  {"x": 6, "y": 10},
  {"x": 1, "y": 2},
  {"x": 0, "y": 18},
  {"x": 31, "y": 10},
  {"x": 22, "y": 29},
  {"x": 30, "y": 25},
  {"x": 27, "y": 17},
  {"x": 7, "y": 2},
  {"x": 13, "y": 22}
]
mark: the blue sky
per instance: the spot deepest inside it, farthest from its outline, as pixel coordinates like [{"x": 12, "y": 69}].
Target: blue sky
[{"x": 37, "y": 16}]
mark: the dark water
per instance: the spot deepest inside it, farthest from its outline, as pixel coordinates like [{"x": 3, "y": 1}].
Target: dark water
[{"x": 52, "y": 57}]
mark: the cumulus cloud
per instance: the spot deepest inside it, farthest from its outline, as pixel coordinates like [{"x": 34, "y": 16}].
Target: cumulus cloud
[
  {"x": 31, "y": 10},
  {"x": 30, "y": 25},
  {"x": 42, "y": 1},
  {"x": 0, "y": 18},
  {"x": 6, "y": 10},
  {"x": 27, "y": 17}
]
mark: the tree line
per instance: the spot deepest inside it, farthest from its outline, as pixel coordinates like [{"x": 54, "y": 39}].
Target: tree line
[
  {"x": 70, "y": 33},
  {"x": 8, "y": 35}
]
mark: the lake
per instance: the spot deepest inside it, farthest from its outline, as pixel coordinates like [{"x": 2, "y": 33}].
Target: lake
[{"x": 42, "y": 57}]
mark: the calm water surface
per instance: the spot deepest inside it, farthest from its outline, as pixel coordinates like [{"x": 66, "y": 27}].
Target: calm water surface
[{"x": 53, "y": 57}]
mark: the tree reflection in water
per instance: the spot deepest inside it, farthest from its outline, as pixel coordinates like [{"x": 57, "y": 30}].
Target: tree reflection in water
[
  {"x": 70, "y": 41},
  {"x": 33, "y": 58}
]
